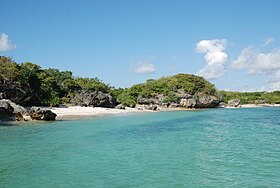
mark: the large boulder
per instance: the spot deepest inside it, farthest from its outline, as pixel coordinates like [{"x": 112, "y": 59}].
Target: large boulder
[
  {"x": 233, "y": 102},
  {"x": 10, "y": 110},
  {"x": 37, "y": 113},
  {"x": 95, "y": 99},
  {"x": 206, "y": 101}
]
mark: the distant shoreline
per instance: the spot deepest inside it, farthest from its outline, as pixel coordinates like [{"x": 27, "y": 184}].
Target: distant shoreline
[{"x": 255, "y": 105}]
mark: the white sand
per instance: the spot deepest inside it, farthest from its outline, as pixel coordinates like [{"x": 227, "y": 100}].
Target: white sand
[
  {"x": 77, "y": 111},
  {"x": 255, "y": 105}
]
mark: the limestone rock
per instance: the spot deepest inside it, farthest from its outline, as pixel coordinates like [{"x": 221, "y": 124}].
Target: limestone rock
[
  {"x": 147, "y": 101},
  {"x": 120, "y": 106},
  {"x": 37, "y": 113},
  {"x": 188, "y": 102},
  {"x": 206, "y": 101},
  {"x": 95, "y": 99},
  {"x": 233, "y": 102},
  {"x": 11, "y": 111}
]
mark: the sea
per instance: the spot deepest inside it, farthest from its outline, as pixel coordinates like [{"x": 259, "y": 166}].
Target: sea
[{"x": 201, "y": 148}]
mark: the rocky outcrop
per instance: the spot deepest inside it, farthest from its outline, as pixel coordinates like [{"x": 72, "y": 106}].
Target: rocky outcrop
[
  {"x": 206, "y": 101},
  {"x": 147, "y": 101},
  {"x": 11, "y": 111},
  {"x": 18, "y": 93},
  {"x": 94, "y": 99},
  {"x": 222, "y": 105},
  {"x": 185, "y": 100},
  {"x": 188, "y": 102},
  {"x": 146, "y": 107},
  {"x": 120, "y": 106},
  {"x": 233, "y": 102},
  {"x": 37, "y": 113}
]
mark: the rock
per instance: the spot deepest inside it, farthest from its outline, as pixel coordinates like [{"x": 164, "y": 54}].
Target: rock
[
  {"x": 182, "y": 94},
  {"x": 147, "y": 101},
  {"x": 120, "y": 106},
  {"x": 165, "y": 105},
  {"x": 12, "y": 111},
  {"x": 18, "y": 109},
  {"x": 261, "y": 102},
  {"x": 206, "y": 101},
  {"x": 174, "y": 105},
  {"x": 222, "y": 105},
  {"x": 233, "y": 102},
  {"x": 188, "y": 102},
  {"x": 146, "y": 107},
  {"x": 6, "y": 108},
  {"x": 37, "y": 113},
  {"x": 18, "y": 93},
  {"x": 95, "y": 99}
]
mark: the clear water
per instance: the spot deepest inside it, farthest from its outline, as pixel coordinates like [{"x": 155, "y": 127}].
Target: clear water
[{"x": 208, "y": 148}]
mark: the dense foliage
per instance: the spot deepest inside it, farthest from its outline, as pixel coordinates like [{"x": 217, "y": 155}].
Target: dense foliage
[
  {"x": 167, "y": 87},
  {"x": 252, "y": 97},
  {"x": 44, "y": 86}
]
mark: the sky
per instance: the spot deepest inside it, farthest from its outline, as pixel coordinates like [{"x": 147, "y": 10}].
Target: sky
[{"x": 233, "y": 44}]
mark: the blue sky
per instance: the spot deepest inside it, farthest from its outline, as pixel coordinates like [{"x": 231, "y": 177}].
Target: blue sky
[{"x": 234, "y": 44}]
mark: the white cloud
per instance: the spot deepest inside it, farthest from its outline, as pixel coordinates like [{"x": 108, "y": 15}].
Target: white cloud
[
  {"x": 214, "y": 56},
  {"x": 144, "y": 68},
  {"x": 5, "y": 43},
  {"x": 255, "y": 62}
]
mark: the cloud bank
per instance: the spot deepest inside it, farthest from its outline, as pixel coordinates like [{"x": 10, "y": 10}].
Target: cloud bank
[
  {"x": 215, "y": 57},
  {"x": 5, "y": 43}
]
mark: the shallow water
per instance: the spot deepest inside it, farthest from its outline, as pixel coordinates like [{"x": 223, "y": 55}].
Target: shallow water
[{"x": 207, "y": 148}]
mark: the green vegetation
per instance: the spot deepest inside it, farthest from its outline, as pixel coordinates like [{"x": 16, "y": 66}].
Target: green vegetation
[
  {"x": 43, "y": 86},
  {"x": 29, "y": 84},
  {"x": 168, "y": 87},
  {"x": 252, "y": 97}
]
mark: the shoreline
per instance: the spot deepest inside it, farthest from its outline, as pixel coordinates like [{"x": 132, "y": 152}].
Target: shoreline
[{"x": 78, "y": 112}]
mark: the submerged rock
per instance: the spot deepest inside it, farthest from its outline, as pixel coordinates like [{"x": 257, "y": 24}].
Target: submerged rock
[{"x": 37, "y": 113}]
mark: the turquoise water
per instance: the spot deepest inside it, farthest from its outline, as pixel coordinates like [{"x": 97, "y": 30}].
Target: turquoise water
[{"x": 207, "y": 148}]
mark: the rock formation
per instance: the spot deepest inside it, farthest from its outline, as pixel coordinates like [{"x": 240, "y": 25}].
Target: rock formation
[
  {"x": 37, "y": 113},
  {"x": 94, "y": 99},
  {"x": 233, "y": 102},
  {"x": 11, "y": 111}
]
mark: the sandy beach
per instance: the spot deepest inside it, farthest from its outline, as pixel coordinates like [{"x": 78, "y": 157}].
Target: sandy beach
[{"x": 78, "y": 111}]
